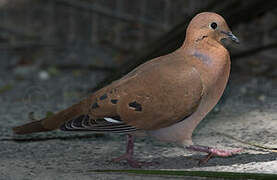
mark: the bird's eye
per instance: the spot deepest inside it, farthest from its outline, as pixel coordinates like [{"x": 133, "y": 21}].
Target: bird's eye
[{"x": 213, "y": 25}]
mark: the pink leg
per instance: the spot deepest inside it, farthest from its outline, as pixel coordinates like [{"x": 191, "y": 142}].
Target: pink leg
[
  {"x": 212, "y": 152},
  {"x": 129, "y": 154}
]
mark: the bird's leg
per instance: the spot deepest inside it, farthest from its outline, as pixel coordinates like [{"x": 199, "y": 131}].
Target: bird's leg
[
  {"x": 129, "y": 154},
  {"x": 129, "y": 149},
  {"x": 212, "y": 152}
]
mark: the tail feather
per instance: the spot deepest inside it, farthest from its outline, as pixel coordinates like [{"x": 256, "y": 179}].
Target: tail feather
[
  {"x": 53, "y": 122},
  {"x": 30, "y": 128}
]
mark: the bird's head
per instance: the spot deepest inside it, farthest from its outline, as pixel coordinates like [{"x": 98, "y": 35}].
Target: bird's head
[{"x": 209, "y": 25}]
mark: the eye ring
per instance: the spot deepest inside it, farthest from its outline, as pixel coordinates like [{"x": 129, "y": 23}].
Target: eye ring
[{"x": 213, "y": 25}]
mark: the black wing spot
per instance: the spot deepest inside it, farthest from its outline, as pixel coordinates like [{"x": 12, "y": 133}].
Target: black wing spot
[
  {"x": 104, "y": 96},
  {"x": 95, "y": 105},
  {"x": 114, "y": 101},
  {"x": 135, "y": 106}
]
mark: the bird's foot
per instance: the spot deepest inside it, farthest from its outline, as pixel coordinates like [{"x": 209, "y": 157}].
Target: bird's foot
[
  {"x": 212, "y": 152},
  {"x": 131, "y": 161}
]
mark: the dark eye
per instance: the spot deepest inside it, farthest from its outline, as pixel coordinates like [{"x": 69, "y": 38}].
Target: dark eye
[{"x": 213, "y": 25}]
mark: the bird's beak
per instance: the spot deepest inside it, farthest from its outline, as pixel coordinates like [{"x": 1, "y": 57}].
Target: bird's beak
[{"x": 231, "y": 36}]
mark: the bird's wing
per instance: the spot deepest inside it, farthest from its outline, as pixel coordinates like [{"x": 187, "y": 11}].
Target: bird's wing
[{"x": 155, "y": 95}]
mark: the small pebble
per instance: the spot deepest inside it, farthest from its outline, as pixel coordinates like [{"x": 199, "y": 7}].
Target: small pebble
[
  {"x": 43, "y": 75},
  {"x": 262, "y": 98},
  {"x": 243, "y": 90}
]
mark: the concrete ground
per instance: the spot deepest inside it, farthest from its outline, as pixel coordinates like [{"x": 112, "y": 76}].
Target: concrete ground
[{"x": 247, "y": 111}]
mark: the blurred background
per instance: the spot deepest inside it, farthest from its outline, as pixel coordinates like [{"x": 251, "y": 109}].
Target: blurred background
[
  {"x": 55, "y": 52},
  {"x": 105, "y": 33},
  {"x": 86, "y": 44}
]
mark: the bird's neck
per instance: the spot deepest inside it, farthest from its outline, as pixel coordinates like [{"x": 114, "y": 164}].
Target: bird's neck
[
  {"x": 207, "y": 55},
  {"x": 204, "y": 43}
]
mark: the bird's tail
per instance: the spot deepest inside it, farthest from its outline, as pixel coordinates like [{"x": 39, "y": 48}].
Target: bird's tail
[
  {"x": 30, "y": 128},
  {"x": 53, "y": 122}
]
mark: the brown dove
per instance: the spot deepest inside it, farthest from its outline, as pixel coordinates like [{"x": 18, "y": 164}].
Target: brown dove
[{"x": 165, "y": 98}]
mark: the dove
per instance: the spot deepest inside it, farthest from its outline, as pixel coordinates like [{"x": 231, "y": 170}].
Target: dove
[{"x": 165, "y": 98}]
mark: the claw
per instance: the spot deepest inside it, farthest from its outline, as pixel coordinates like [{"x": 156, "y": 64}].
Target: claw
[{"x": 206, "y": 159}]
